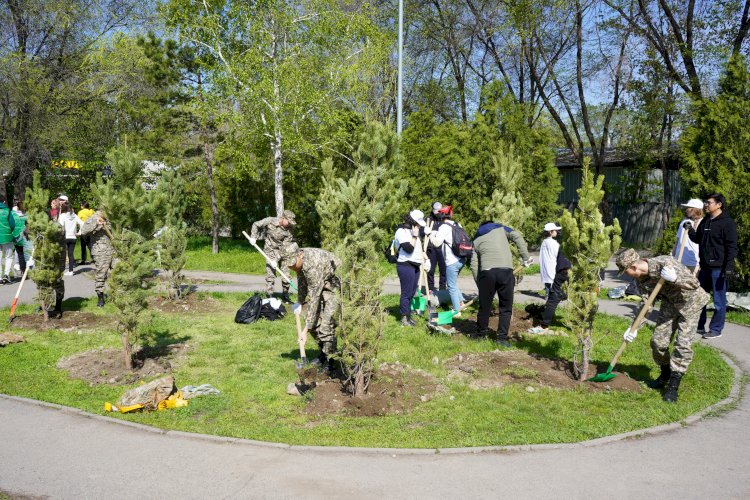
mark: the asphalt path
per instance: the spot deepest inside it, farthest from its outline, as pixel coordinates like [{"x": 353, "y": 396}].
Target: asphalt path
[{"x": 55, "y": 452}]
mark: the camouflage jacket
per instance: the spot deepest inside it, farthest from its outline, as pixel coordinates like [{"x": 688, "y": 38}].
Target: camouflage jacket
[
  {"x": 275, "y": 236},
  {"x": 685, "y": 292},
  {"x": 318, "y": 275},
  {"x": 100, "y": 244}
]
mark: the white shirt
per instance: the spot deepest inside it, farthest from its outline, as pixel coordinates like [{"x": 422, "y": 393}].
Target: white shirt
[
  {"x": 443, "y": 239},
  {"x": 548, "y": 259},
  {"x": 69, "y": 221},
  {"x": 404, "y": 236},
  {"x": 690, "y": 256}
]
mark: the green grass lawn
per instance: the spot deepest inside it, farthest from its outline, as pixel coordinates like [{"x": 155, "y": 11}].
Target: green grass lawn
[{"x": 252, "y": 365}]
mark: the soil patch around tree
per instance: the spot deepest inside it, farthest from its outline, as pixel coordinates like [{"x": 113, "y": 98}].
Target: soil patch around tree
[
  {"x": 394, "y": 389},
  {"x": 107, "y": 366},
  {"x": 70, "y": 321},
  {"x": 489, "y": 370},
  {"x": 191, "y": 303}
]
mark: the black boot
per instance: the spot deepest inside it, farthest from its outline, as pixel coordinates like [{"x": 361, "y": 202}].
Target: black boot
[
  {"x": 100, "y": 302},
  {"x": 285, "y": 298},
  {"x": 670, "y": 395},
  {"x": 661, "y": 381},
  {"x": 57, "y": 311}
]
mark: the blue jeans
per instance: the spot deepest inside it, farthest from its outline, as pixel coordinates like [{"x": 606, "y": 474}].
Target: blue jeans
[
  {"x": 451, "y": 274},
  {"x": 712, "y": 280}
]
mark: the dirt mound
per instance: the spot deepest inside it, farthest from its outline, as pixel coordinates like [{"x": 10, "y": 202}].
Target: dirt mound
[
  {"x": 394, "y": 389},
  {"x": 519, "y": 323},
  {"x": 106, "y": 366},
  {"x": 9, "y": 338},
  {"x": 71, "y": 321},
  {"x": 487, "y": 370},
  {"x": 190, "y": 303}
]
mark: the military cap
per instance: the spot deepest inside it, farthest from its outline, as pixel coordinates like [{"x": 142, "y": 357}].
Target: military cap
[
  {"x": 626, "y": 259},
  {"x": 289, "y": 255},
  {"x": 289, "y": 215}
]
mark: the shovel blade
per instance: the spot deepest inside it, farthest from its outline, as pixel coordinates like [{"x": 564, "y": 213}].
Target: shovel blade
[{"x": 603, "y": 377}]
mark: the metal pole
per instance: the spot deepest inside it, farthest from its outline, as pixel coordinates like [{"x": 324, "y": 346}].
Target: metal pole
[{"x": 399, "y": 104}]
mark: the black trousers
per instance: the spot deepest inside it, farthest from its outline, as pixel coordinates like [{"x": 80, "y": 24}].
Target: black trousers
[
  {"x": 21, "y": 258},
  {"x": 437, "y": 260},
  {"x": 71, "y": 245},
  {"x": 85, "y": 244},
  {"x": 554, "y": 297},
  {"x": 500, "y": 282},
  {"x": 408, "y": 276}
]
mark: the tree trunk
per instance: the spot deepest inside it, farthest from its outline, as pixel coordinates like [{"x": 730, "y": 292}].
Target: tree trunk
[
  {"x": 278, "y": 175},
  {"x": 584, "y": 342},
  {"x": 208, "y": 156},
  {"x": 127, "y": 350},
  {"x": 45, "y": 312}
]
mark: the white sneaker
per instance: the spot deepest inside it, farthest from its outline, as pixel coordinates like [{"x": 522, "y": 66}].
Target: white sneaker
[{"x": 68, "y": 273}]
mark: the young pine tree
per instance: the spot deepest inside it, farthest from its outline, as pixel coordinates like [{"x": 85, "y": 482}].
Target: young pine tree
[
  {"x": 354, "y": 215},
  {"x": 133, "y": 213},
  {"x": 173, "y": 238},
  {"x": 589, "y": 244},
  {"x": 47, "y": 236}
]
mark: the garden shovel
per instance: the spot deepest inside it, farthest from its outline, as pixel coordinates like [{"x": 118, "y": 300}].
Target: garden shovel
[
  {"x": 18, "y": 292},
  {"x": 301, "y": 337},
  {"x": 608, "y": 375}
]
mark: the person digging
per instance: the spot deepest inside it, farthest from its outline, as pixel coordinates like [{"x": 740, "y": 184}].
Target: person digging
[
  {"x": 318, "y": 291},
  {"x": 682, "y": 300}
]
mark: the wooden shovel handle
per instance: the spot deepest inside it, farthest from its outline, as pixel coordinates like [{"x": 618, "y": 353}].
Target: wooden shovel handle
[{"x": 301, "y": 336}]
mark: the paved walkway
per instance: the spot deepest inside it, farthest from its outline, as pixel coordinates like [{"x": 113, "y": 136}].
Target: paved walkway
[{"x": 62, "y": 453}]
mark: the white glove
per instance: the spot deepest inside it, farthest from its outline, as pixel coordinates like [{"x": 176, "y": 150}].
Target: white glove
[
  {"x": 527, "y": 263},
  {"x": 669, "y": 274},
  {"x": 426, "y": 264},
  {"x": 630, "y": 336},
  {"x": 428, "y": 229},
  {"x": 253, "y": 241},
  {"x": 297, "y": 308}
]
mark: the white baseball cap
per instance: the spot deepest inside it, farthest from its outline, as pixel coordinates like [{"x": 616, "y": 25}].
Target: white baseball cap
[
  {"x": 693, "y": 203},
  {"x": 418, "y": 217},
  {"x": 551, "y": 226},
  {"x": 65, "y": 198},
  {"x": 436, "y": 206}
]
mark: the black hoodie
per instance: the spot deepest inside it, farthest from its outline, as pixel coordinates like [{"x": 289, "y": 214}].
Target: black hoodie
[{"x": 717, "y": 238}]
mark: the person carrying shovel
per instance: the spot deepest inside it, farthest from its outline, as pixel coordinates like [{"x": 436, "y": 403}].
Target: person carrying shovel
[
  {"x": 682, "y": 300},
  {"x": 318, "y": 291},
  {"x": 277, "y": 233}
]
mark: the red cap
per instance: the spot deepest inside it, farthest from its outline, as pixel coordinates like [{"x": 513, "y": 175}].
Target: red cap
[{"x": 447, "y": 210}]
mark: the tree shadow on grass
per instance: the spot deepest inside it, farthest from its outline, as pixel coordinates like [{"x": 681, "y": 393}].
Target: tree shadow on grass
[
  {"x": 294, "y": 354},
  {"x": 156, "y": 343},
  {"x": 76, "y": 303}
]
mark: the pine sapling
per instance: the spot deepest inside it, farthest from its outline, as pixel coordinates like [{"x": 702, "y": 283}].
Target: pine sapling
[{"x": 588, "y": 243}]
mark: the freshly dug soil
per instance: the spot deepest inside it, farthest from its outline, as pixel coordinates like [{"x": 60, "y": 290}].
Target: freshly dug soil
[
  {"x": 71, "y": 321},
  {"x": 487, "y": 370},
  {"x": 190, "y": 303},
  {"x": 106, "y": 366},
  {"x": 519, "y": 323},
  {"x": 394, "y": 389}
]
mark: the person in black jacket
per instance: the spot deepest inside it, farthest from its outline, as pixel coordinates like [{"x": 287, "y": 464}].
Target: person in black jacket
[
  {"x": 717, "y": 236},
  {"x": 436, "y": 255}
]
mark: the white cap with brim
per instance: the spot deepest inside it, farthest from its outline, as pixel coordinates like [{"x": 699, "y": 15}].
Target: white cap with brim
[
  {"x": 551, "y": 226},
  {"x": 436, "y": 206},
  {"x": 418, "y": 217},
  {"x": 62, "y": 197},
  {"x": 693, "y": 203}
]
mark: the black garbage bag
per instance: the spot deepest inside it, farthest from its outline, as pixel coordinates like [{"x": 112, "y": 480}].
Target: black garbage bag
[{"x": 250, "y": 310}]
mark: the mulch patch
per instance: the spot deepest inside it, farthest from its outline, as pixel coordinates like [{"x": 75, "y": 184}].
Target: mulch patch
[
  {"x": 189, "y": 303},
  {"x": 70, "y": 321},
  {"x": 487, "y": 370},
  {"x": 394, "y": 389},
  {"x": 107, "y": 366}
]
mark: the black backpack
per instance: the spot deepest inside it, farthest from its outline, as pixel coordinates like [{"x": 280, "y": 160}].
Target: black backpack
[{"x": 462, "y": 245}]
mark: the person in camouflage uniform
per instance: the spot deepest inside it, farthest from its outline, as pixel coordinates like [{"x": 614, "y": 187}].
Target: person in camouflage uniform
[
  {"x": 96, "y": 228},
  {"x": 682, "y": 300},
  {"x": 318, "y": 290},
  {"x": 277, "y": 233}
]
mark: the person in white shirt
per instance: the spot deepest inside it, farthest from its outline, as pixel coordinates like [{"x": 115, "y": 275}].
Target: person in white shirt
[
  {"x": 72, "y": 225},
  {"x": 548, "y": 255},
  {"x": 411, "y": 257},
  {"x": 443, "y": 239},
  {"x": 693, "y": 215}
]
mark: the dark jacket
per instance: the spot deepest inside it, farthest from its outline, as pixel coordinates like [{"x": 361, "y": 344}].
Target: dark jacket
[
  {"x": 718, "y": 241},
  {"x": 563, "y": 264}
]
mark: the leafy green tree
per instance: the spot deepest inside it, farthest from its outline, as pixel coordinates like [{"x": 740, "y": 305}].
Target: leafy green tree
[
  {"x": 588, "y": 243},
  {"x": 46, "y": 235},
  {"x": 716, "y": 150},
  {"x": 134, "y": 214},
  {"x": 172, "y": 238},
  {"x": 355, "y": 215}
]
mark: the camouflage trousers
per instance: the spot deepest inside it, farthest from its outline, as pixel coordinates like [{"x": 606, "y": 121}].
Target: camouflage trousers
[
  {"x": 275, "y": 256},
  {"x": 324, "y": 331},
  {"x": 680, "y": 325},
  {"x": 103, "y": 266}
]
